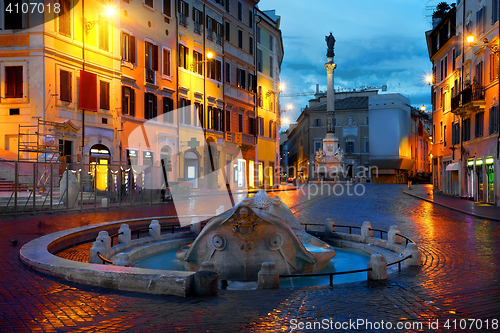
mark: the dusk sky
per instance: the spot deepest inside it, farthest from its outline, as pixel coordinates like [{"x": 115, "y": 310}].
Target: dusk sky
[{"x": 377, "y": 43}]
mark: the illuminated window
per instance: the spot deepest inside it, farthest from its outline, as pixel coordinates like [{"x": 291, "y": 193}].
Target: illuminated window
[{"x": 261, "y": 174}]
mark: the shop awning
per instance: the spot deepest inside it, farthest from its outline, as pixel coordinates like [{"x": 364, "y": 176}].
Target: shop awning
[{"x": 453, "y": 167}]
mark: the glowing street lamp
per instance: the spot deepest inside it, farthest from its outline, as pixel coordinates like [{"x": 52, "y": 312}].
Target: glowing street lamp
[
  {"x": 210, "y": 55},
  {"x": 429, "y": 79},
  {"x": 470, "y": 38},
  {"x": 281, "y": 87}
]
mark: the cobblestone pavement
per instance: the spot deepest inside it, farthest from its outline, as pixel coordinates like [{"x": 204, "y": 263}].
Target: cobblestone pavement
[{"x": 459, "y": 278}]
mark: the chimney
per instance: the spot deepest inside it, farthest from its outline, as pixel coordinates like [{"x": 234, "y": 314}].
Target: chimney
[{"x": 317, "y": 88}]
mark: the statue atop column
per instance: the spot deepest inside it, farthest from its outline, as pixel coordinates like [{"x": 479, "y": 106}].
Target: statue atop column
[{"x": 330, "y": 43}]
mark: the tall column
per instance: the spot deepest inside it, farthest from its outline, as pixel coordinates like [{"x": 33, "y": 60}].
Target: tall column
[{"x": 330, "y": 97}]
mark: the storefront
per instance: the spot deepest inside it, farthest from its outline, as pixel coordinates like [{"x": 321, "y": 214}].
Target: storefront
[{"x": 490, "y": 174}]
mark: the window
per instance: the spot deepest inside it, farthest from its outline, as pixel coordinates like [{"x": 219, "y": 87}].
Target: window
[
  {"x": 252, "y": 82},
  {"x": 250, "y": 18},
  {"x": 151, "y": 56},
  {"x": 104, "y": 35},
  {"x": 441, "y": 131},
  {"x": 493, "y": 66},
  {"x": 480, "y": 21},
  {"x": 166, "y": 62},
  {"x": 210, "y": 28},
  {"x": 258, "y": 34},
  {"x": 317, "y": 146},
  {"x": 455, "y": 134},
  {"x": 260, "y": 101},
  {"x": 197, "y": 62},
  {"x": 494, "y": 11},
  {"x": 228, "y": 121},
  {"x": 185, "y": 111},
  {"x": 183, "y": 10},
  {"x": 183, "y": 55},
  {"x": 240, "y": 11},
  {"x": 150, "y": 107},
  {"x": 168, "y": 108},
  {"x": 250, "y": 41},
  {"x": 454, "y": 57},
  {"x": 271, "y": 129},
  {"x": 241, "y": 78},
  {"x": 317, "y": 122},
  {"x": 240, "y": 123},
  {"x": 259, "y": 60},
  {"x": 466, "y": 130},
  {"x": 479, "y": 124},
  {"x": 271, "y": 65},
  {"x": 128, "y": 48},
  {"x": 228, "y": 72},
  {"x": 251, "y": 126},
  {"x": 367, "y": 147},
  {"x": 271, "y": 43},
  {"x": 479, "y": 73},
  {"x": 149, "y": 3},
  {"x": 214, "y": 69},
  {"x": 366, "y": 120},
  {"x": 198, "y": 21},
  {"x": 240, "y": 39},
  {"x": 201, "y": 114},
  {"x": 65, "y": 17},
  {"x": 349, "y": 147},
  {"x": 14, "y": 82},
  {"x": 228, "y": 5},
  {"x": 218, "y": 33},
  {"x": 128, "y": 101},
  {"x": 167, "y": 8},
  {"x": 104, "y": 95},
  {"x": 228, "y": 31},
  {"x": 494, "y": 119},
  {"x": 261, "y": 126},
  {"x": 444, "y": 134}
]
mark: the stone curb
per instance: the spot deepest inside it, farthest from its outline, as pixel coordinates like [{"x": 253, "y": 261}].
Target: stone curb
[{"x": 452, "y": 208}]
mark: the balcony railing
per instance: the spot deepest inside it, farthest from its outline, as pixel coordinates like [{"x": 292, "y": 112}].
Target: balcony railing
[
  {"x": 244, "y": 139},
  {"x": 183, "y": 20},
  {"x": 469, "y": 94},
  {"x": 150, "y": 75},
  {"x": 197, "y": 27},
  {"x": 218, "y": 39},
  {"x": 210, "y": 35}
]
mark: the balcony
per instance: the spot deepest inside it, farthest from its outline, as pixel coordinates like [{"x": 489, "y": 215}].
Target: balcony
[
  {"x": 150, "y": 75},
  {"x": 469, "y": 99},
  {"x": 244, "y": 139},
  {"x": 198, "y": 27},
  {"x": 183, "y": 20},
  {"x": 218, "y": 39}
]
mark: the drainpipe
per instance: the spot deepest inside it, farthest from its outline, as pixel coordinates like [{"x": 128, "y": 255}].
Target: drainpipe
[
  {"x": 177, "y": 90},
  {"x": 256, "y": 105}
]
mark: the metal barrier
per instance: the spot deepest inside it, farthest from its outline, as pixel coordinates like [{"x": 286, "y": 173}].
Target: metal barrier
[
  {"x": 331, "y": 274},
  {"x": 49, "y": 187}
]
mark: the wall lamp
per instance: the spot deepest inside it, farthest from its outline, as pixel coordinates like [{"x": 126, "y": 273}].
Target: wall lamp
[
  {"x": 109, "y": 11},
  {"x": 493, "y": 47}
]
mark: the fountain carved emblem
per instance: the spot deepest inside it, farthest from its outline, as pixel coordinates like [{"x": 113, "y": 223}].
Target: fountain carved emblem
[{"x": 259, "y": 229}]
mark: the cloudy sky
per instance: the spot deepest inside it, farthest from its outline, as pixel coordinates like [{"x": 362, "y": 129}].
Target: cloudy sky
[{"x": 377, "y": 43}]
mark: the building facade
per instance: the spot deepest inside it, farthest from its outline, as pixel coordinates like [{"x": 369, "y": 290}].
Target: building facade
[
  {"x": 174, "y": 81},
  {"x": 463, "y": 48}
]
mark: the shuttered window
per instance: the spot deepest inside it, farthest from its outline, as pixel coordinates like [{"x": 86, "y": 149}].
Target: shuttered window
[
  {"x": 14, "y": 82},
  {"x": 104, "y": 95},
  {"x": 128, "y": 48},
  {"x": 128, "y": 101},
  {"x": 65, "y": 86}
]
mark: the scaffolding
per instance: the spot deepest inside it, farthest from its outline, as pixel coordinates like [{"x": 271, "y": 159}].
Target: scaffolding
[{"x": 35, "y": 142}]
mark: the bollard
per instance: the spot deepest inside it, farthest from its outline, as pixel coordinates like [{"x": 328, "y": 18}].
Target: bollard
[
  {"x": 268, "y": 276},
  {"x": 392, "y": 238},
  {"x": 123, "y": 260},
  {"x": 104, "y": 202},
  {"x": 329, "y": 226},
  {"x": 219, "y": 210},
  {"x": 416, "y": 256},
  {"x": 378, "y": 264},
  {"x": 366, "y": 231},
  {"x": 102, "y": 245},
  {"x": 206, "y": 280},
  {"x": 195, "y": 226},
  {"x": 125, "y": 237},
  {"x": 155, "y": 229}
]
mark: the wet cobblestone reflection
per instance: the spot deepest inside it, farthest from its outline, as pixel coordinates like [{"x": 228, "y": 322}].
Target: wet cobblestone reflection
[{"x": 459, "y": 277}]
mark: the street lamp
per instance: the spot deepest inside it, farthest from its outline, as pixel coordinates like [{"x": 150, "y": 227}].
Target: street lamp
[{"x": 107, "y": 13}]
